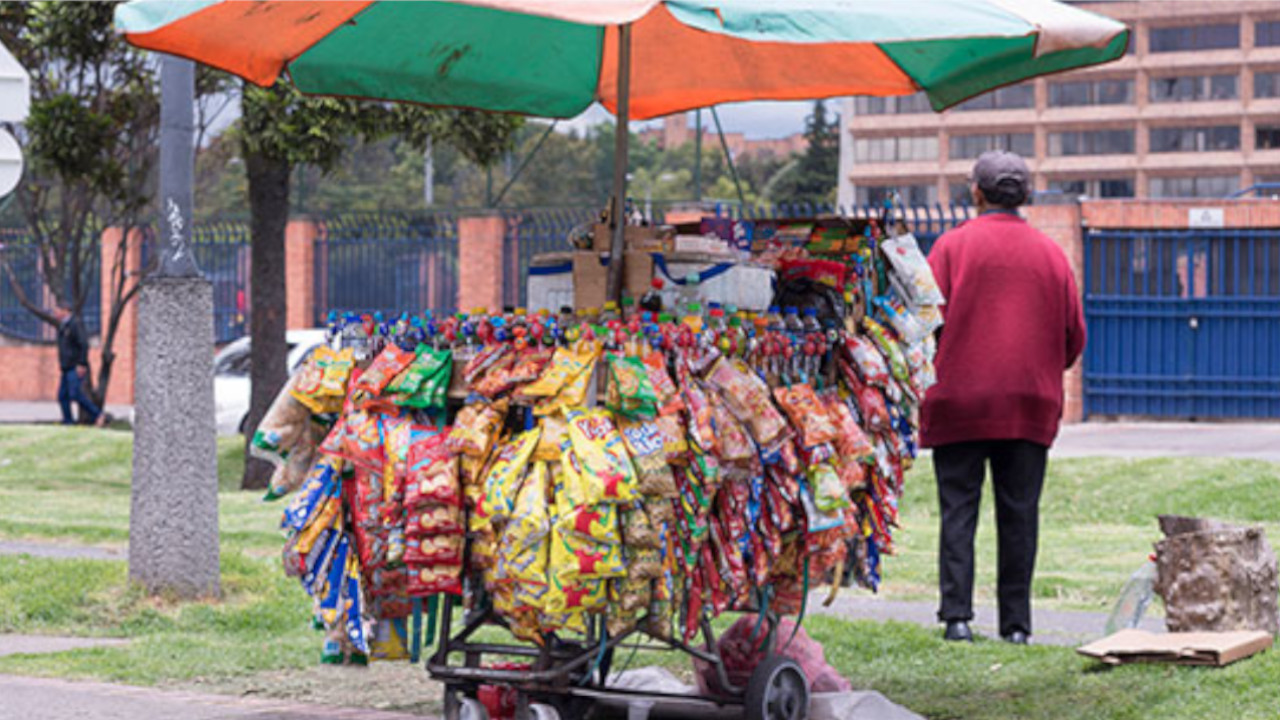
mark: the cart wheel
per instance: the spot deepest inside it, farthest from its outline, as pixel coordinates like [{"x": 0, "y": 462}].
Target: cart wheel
[
  {"x": 472, "y": 709},
  {"x": 778, "y": 690},
  {"x": 540, "y": 711}
]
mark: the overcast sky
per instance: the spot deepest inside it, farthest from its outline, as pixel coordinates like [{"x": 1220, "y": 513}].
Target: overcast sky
[{"x": 755, "y": 119}]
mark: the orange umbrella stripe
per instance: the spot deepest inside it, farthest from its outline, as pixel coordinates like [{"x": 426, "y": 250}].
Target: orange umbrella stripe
[
  {"x": 675, "y": 68},
  {"x": 254, "y": 40}
]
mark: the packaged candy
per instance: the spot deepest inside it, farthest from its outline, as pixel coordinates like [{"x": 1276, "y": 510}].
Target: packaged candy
[
  {"x": 505, "y": 474},
  {"x": 600, "y": 458},
  {"x": 530, "y": 363},
  {"x": 867, "y": 359},
  {"x": 496, "y": 378},
  {"x": 701, "y": 426},
  {"x": 647, "y": 446},
  {"x": 889, "y": 348},
  {"x": 476, "y": 427},
  {"x": 807, "y": 413}
]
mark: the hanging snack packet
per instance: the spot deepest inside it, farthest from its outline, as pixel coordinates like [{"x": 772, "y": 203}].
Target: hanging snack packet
[
  {"x": 530, "y": 363},
  {"x": 434, "y": 550},
  {"x": 889, "y": 348},
  {"x": 285, "y": 424},
  {"x": 433, "y": 475},
  {"x": 851, "y": 443},
  {"x": 629, "y": 391},
  {"x": 357, "y": 437},
  {"x": 290, "y": 476},
  {"x": 384, "y": 368},
  {"x": 595, "y": 523},
  {"x": 434, "y": 520},
  {"x": 735, "y": 446},
  {"x": 701, "y": 416},
  {"x": 748, "y": 398},
  {"x": 530, "y": 522},
  {"x": 912, "y": 270},
  {"x": 563, "y": 376},
  {"x": 574, "y": 597},
  {"x": 664, "y": 388},
  {"x": 476, "y": 427},
  {"x": 432, "y": 579},
  {"x": 603, "y": 464},
  {"x": 575, "y": 559},
  {"x": 867, "y": 359},
  {"x": 322, "y": 381},
  {"x": 496, "y": 379},
  {"x": 321, "y": 483},
  {"x": 502, "y": 482},
  {"x": 410, "y": 379},
  {"x": 828, "y": 491},
  {"x": 554, "y": 431},
  {"x": 807, "y": 414},
  {"x": 903, "y": 321},
  {"x": 674, "y": 444},
  {"x": 646, "y": 444},
  {"x": 638, "y": 530}
]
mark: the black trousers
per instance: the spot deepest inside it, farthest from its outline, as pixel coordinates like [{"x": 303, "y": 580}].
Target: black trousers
[{"x": 1017, "y": 472}]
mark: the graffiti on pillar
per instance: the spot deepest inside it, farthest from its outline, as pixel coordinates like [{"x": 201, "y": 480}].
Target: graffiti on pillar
[{"x": 177, "y": 240}]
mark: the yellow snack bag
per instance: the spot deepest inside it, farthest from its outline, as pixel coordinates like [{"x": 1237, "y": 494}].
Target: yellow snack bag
[
  {"x": 476, "y": 427},
  {"x": 594, "y": 523},
  {"x": 530, "y": 522},
  {"x": 573, "y": 558},
  {"x": 554, "y": 428},
  {"x": 575, "y": 597},
  {"x": 502, "y": 482},
  {"x": 570, "y": 375},
  {"x": 602, "y": 461}
]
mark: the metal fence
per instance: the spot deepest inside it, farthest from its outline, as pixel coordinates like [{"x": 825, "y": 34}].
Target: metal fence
[
  {"x": 386, "y": 262},
  {"x": 534, "y": 232},
  {"x": 23, "y": 256},
  {"x": 926, "y": 222},
  {"x": 222, "y": 252}
]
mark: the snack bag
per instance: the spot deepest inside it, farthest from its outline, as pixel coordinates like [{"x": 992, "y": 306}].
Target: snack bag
[
  {"x": 285, "y": 424},
  {"x": 700, "y": 414},
  {"x": 912, "y": 270},
  {"x": 851, "y": 443},
  {"x": 530, "y": 363},
  {"x": 748, "y": 398},
  {"x": 433, "y": 520},
  {"x": 554, "y": 429},
  {"x": 593, "y": 523},
  {"x": 322, "y": 483},
  {"x": 867, "y": 359},
  {"x": 807, "y": 414},
  {"x": 575, "y": 597},
  {"x": 476, "y": 427},
  {"x": 431, "y": 579},
  {"x": 639, "y": 531},
  {"x": 675, "y": 447},
  {"x": 647, "y": 446},
  {"x": 573, "y": 559},
  {"x": 290, "y": 476},
  {"x": 889, "y": 348},
  {"x": 629, "y": 391},
  {"x": 829, "y": 492},
  {"x": 434, "y": 550},
  {"x": 600, "y": 459},
  {"x": 496, "y": 380},
  {"x": 530, "y": 522},
  {"x": 502, "y": 482},
  {"x": 384, "y": 368},
  {"x": 357, "y": 437},
  {"x": 433, "y": 475},
  {"x": 564, "y": 384},
  {"x": 664, "y": 388},
  {"x": 735, "y": 446},
  {"x": 322, "y": 381}
]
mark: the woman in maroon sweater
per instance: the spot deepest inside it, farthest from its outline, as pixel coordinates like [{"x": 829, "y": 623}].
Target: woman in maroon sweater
[{"x": 1013, "y": 325}]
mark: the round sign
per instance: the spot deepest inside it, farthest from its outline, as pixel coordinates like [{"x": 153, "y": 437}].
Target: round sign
[{"x": 10, "y": 163}]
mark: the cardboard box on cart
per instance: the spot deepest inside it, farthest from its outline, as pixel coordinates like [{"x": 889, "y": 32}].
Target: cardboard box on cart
[
  {"x": 647, "y": 238},
  {"x": 591, "y": 277}
]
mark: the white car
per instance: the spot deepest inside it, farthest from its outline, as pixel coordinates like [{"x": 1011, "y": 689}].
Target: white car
[{"x": 231, "y": 376}]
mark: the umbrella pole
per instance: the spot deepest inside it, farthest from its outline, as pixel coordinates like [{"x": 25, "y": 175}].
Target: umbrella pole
[{"x": 621, "y": 140}]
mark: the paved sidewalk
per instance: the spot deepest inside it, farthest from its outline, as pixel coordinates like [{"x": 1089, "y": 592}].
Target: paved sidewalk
[
  {"x": 47, "y": 699},
  {"x": 13, "y": 412},
  {"x": 1049, "y": 627},
  {"x": 1259, "y": 441},
  {"x": 61, "y": 550},
  {"x": 33, "y": 644}
]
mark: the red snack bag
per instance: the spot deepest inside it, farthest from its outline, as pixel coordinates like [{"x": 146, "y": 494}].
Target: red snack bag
[
  {"x": 389, "y": 363},
  {"x": 748, "y": 398},
  {"x": 433, "y": 475},
  {"x": 432, "y": 579},
  {"x": 530, "y": 363},
  {"x": 434, "y": 550},
  {"x": 434, "y": 520},
  {"x": 655, "y": 366},
  {"x": 701, "y": 421},
  {"x": 735, "y": 446},
  {"x": 807, "y": 414},
  {"x": 496, "y": 380},
  {"x": 850, "y": 441},
  {"x": 357, "y": 437}
]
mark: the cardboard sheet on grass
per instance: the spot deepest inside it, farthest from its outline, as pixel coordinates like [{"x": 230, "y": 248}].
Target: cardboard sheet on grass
[{"x": 1193, "y": 648}]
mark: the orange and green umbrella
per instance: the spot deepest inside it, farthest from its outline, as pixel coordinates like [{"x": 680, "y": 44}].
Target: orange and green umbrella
[{"x": 553, "y": 58}]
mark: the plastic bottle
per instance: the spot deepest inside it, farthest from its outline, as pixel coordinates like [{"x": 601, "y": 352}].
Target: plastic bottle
[
  {"x": 1134, "y": 598},
  {"x": 652, "y": 299},
  {"x": 693, "y": 317},
  {"x": 609, "y": 313},
  {"x": 791, "y": 320},
  {"x": 689, "y": 292},
  {"x": 628, "y": 308},
  {"x": 811, "y": 324},
  {"x": 773, "y": 318}
]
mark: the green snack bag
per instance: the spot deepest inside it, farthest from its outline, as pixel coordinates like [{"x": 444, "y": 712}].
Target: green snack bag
[
  {"x": 435, "y": 368},
  {"x": 412, "y": 377},
  {"x": 630, "y": 392}
]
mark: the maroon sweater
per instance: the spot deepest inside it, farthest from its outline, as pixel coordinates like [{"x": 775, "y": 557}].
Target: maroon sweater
[{"x": 1013, "y": 326}]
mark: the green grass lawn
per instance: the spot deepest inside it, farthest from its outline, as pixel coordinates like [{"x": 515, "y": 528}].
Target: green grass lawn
[{"x": 1098, "y": 523}]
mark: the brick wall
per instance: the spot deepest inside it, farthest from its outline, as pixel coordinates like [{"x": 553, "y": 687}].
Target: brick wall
[
  {"x": 1173, "y": 214},
  {"x": 480, "y": 246},
  {"x": 1062, "y": 224}
]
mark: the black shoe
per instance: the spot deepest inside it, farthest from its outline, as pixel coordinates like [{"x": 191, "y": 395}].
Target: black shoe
[
  {"x": 1017, "y": 637},
  {"x": 958, "y": 630}
]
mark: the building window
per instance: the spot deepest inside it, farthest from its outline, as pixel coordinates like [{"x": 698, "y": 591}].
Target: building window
[
  {"x": 1102, "y": 92},
  {"x": 1266, "y": 33},
  {"x": 909, "y": 194},
  {"x": 893, "y": 149},
  {"x": 1195, "y": 186},
  {"x": 1194, "y": 88},
  {"x": 964, "y": 147},
  {"x": 1266, "y": 84},
  {"x": 1091, "y": 142},
  {"x": 1194, "y": 37},
  {"x": 1268, "y": 137},
  {"x": 1098, "y": 188},
  {"x": 1195, "y": 139},
  {"x": 1014, "y": 97},
  {"x": 901, "y": 105}
]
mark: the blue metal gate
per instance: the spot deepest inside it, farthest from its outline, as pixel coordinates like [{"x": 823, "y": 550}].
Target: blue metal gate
[{"x": 1183, "y": 323}]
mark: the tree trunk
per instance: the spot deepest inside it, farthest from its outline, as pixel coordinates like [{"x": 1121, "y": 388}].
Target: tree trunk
[{"x": 268, "y": 180}]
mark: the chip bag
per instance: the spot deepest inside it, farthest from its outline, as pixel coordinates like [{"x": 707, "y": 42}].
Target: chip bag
[
  {"x": 629, "y": 391},
  {"x": 592, "y": 523},
  {"x": 574, "y": 559},
  {"x": 647, "y": 446},
  {"x": 476, "y": 427},
  {"x": 748, "y": 398},
  {"x": 502, "y": 482},
  {"x": 390, "y": 362},
  {"x": 600, "y": 458},
  {"x": 807, "y": 413}
]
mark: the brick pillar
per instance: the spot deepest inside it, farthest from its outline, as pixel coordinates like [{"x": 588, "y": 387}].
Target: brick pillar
[
  {"x": 1062, "y": 223},
  {"x": 300, "y": 273},
  {"x": 480, "y": 246},
  {"x": 120, "y": 391}
]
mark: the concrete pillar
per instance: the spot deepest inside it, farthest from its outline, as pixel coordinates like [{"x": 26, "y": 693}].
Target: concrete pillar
[
  {"x": 480, "y": 251},
  {"x": 173, "y": 519},
  {"x": 300, "y": 273}
]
